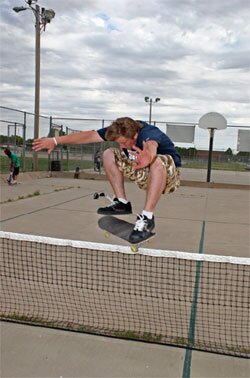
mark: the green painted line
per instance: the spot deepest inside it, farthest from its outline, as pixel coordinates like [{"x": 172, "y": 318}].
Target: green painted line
[
  {"x": 191, "y": 335},
  {"x": 201, "y": 245}
]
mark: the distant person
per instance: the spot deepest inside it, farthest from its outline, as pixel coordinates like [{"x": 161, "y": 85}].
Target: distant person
[
  {"x": 97, "y": 161},
  {"x": 145, "y": 155},
  {"x": 14, "y": 166}
]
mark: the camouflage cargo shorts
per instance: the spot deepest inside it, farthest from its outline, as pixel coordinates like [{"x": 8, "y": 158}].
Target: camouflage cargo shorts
[{"x": 140, "y": 176}]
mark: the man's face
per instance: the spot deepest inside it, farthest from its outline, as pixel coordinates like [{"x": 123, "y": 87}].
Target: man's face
[{"x": 126, "y": 142}]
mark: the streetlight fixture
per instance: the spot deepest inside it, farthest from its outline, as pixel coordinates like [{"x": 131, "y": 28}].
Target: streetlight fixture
[
  {"x": 42, "y": 18},
  {"x": 151, "y": 101}
]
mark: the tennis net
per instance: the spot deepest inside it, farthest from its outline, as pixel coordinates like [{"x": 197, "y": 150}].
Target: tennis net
[{"x": 175, "y": 298}]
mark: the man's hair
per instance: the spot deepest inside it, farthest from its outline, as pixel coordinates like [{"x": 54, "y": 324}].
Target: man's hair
[
  {"x": 7, "y": 152},
  {"x": 125, "y": 126}
]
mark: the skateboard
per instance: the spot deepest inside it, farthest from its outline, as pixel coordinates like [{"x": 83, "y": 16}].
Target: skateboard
[
  {"x": 10, "y": 178},
  {"x": 121, "y": 229}
]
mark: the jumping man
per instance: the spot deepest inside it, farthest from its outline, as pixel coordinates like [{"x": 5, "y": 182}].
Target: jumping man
[{"x": 145, "y": 155}]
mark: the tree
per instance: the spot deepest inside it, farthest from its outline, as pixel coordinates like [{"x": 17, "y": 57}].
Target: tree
[
  {"x": 12, "y": 139},
  {"x": 229, "y": 152}
]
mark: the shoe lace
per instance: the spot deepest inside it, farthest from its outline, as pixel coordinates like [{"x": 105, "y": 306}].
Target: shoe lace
[
  {"x": 112, "y": 201},
  {"x": 140, "y": 223}
]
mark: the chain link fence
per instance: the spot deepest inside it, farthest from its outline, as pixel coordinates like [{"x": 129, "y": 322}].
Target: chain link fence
[{"x": 17, "y": 130}]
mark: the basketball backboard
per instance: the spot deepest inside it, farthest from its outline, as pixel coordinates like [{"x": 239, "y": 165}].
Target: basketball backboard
[{"x": 212, "y": 120}]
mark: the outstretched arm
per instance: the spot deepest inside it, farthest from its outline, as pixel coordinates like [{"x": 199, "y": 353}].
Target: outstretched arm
[{"x": 84, "y": 137}]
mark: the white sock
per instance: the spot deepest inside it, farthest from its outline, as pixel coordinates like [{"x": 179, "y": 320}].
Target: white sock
[
  {"x": 123, "y": 200},
  {"x": 148, "y": 214}
]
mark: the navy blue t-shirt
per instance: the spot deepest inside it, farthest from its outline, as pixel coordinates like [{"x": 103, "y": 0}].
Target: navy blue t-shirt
[{"x": 149, "y": 132}]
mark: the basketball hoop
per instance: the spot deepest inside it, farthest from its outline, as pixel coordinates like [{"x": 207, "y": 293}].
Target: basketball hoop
[{"x": 212, "y": 121}]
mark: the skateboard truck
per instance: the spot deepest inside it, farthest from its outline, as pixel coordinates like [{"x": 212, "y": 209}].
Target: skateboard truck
[
  {"x": 121, "y": 229},
  {"x": 133, "y": 246},
  {"x": 97, "y": 195}
]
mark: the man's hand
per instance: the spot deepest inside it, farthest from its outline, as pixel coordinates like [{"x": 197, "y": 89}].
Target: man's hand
[
  {"x": 144, "y": 157},
  {"x": 44, "y": 144}
]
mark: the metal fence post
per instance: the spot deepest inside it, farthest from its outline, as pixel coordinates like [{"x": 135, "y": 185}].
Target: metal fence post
[{"x": 24, "y": 142}]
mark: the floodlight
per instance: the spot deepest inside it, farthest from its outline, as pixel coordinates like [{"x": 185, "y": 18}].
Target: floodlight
[
  {"x": 151, "y": 101},
  {"x": 48, "y": 14},
  {"x": 30, "y": 2},
  {"x": 19, "y": 9}
]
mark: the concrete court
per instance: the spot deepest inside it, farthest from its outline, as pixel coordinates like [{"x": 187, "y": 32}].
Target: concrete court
[{"x": 65, "y": 209}]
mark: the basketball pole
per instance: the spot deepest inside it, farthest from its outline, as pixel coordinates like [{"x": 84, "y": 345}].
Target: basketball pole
[
  {"x": 209, "y": 166},
  {"x": 212, "y": 121}
]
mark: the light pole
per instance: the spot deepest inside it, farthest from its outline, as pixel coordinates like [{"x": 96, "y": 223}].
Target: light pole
[
  {"x": 150, "y": 100},
  {"x": 42, "y": 18}
]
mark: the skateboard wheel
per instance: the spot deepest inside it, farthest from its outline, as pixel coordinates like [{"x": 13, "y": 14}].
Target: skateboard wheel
[
  {"x": 107, "y": 234},
  {"x": 134, "y": 248},
  {"x": 95, "y": 196}
]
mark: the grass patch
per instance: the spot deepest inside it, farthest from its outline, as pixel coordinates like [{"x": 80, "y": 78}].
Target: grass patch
[
  {"x": 87, "y": 164},
  {"x": 66, "y": 188},
  {"x": 34, "y": 194},
  {"x": 146, "y": 336},
  {"x": 43, "y": 164}
]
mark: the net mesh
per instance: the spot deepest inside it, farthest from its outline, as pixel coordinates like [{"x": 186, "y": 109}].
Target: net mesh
[{"x": 181, "y": 299}]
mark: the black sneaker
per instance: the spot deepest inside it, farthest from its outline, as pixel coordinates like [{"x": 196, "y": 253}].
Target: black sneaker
[
  {"x": 142, "y": 230},
  {"x": 116, "y": 208}
]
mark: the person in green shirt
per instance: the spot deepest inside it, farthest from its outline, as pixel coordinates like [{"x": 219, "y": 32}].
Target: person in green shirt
[{"x": 14, "y": 166}]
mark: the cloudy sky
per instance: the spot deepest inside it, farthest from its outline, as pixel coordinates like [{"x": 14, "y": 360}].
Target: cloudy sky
[{"x": 100, "y": 58}]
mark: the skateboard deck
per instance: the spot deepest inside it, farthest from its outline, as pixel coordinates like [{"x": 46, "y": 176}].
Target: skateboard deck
[
  {"x": 121, "y": 229},
  {"x": 10, "y": 179}
]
